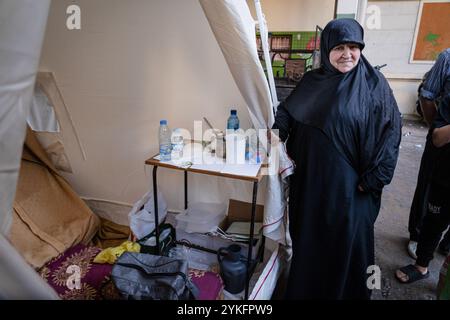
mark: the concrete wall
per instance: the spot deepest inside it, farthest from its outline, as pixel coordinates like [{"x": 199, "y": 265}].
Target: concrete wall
[
  {"x": 392, "y": 44},
  {"x": 295, "y": 15}
]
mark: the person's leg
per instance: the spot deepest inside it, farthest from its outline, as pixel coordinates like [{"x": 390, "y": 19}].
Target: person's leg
[
  {"x": 419, "y": 203},
  {"x": 435, "y": 222}
]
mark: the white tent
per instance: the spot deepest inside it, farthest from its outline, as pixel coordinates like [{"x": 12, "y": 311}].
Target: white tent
[
  {"x": 19, "y": 59},
  {"x": 234, "y": 29}
]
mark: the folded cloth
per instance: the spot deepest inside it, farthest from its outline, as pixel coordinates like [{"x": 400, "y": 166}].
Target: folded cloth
[
  {"x": 110, "y": 255},
  {"x": 110, "y": 234}
]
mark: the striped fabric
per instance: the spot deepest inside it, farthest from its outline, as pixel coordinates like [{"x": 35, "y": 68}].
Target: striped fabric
[{"x": 437, "y": 83}]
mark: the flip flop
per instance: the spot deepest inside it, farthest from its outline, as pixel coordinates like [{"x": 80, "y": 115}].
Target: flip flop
[{"x": 412, "y": 273}]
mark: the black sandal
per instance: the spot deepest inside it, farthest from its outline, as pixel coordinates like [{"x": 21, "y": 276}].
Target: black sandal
[{"x": 412, "y": 273}]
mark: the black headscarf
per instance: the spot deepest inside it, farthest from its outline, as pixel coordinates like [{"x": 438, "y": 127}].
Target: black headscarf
[
  {"x": 338, "y": 32},
  {"x": 356, "y": 110}
]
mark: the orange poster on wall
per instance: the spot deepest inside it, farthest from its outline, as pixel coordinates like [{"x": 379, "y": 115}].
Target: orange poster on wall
[{"x": 432, "y": 33}]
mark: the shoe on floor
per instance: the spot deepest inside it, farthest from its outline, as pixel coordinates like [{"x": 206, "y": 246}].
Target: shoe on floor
[
  {"x": 412, "y": 247},
  {"x": 413, "y": 274}
]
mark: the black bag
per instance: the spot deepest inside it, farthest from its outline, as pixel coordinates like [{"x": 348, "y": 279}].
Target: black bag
[
  {"x": 140, "y": 276},
  {"x": 167, "y": 240}
]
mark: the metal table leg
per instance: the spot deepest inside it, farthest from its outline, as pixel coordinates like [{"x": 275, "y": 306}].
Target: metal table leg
[
  {"x": 155, "y": 201},
  {"x": 185, "y": 190},
  {"x": 250, "y": 245},
  {"x": 261, "y": 248}
]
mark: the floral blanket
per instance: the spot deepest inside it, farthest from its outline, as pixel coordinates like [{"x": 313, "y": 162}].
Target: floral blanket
[
  {"x": 74, "y": 276},
  {"x": 76, "y": 263}
]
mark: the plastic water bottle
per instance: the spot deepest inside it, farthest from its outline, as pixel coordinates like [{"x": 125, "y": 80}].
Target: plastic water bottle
[
  {"x": 177, "y": 144},
  {"x": 252, "y": 149},
  {"x": 165, "y": 145},
  {"x": 233, "y": 121}
]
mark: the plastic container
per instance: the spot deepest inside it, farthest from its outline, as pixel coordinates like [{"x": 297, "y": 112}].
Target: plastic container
[
  {"x": 165, "y": 145},
  {"x": 201, "y": 217},
  {"x": 177, "y": 144},
  {"x": 233, "y": 121},
  {"x": 252, "y": 152},
  {"x": 235, "y": 148}
]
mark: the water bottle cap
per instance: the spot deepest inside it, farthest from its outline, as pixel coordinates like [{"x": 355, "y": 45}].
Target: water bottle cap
[
  {"x": 233, "y": 112},
  {"x": 163, "y": 122}
]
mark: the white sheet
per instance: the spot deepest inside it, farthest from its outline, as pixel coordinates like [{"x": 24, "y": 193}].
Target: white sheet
[
  {"x": 234, "y": 29},
  {"x": 21, "y": 34},
  {"x": 248, "y": 170},
  {"x": 42, "y": 115}
]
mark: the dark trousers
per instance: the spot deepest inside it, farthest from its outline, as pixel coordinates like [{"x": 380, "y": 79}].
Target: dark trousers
[
  {"x": 420, "y": 201},
  {"x": 435, "y": 222}
]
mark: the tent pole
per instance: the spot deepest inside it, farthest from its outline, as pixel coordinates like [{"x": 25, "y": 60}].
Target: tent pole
[
  {"x": 361, "y": 11},
  {"x": 265, "y": 45}
]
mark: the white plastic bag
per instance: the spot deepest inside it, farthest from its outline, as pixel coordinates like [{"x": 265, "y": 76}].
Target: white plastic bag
[{"x": 142, "y": 216}]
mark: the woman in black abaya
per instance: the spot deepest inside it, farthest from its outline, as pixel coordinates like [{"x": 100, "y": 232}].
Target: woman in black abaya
[{"x": 343, "y": 130}]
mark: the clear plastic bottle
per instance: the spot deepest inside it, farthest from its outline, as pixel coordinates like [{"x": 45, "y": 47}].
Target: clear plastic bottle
[
  {"x": 177, "y": 144},
  {"x": 233, "y": 121},
  {"x": 253, "y": 155},
  {"x": 165, "y": 145}
]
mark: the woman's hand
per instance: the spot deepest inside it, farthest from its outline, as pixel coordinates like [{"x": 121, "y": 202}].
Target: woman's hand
[{"x": 271, "y": 135}]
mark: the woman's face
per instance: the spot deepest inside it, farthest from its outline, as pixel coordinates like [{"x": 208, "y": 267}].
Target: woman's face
[{"x": 345, "y": 57}]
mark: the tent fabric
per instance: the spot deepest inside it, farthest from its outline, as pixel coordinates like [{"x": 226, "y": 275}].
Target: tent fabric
[
  {"x": 264, "y": 36},
  {"x": 234, "y": 29},
  {"x": 46, "y": 81},
  {"x": 53, "y": 142},
  {"x": 21, "y": 36},
  {"x": 49, "y": 217},
  {"x": 19, "y": 60},
  {"x": 42, "y": 116},
  {"x": 17, "y": 279},
  {"x": 111, "y": 234}
]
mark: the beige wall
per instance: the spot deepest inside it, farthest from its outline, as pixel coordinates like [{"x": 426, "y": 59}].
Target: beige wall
[
  {"x": 391, "y": 44},
  {"x": 295, "y": 15},
  {"x": 131, "y": 64}
]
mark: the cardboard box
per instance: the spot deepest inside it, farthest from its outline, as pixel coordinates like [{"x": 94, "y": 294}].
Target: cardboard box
[{"x": 242, "y": 212}]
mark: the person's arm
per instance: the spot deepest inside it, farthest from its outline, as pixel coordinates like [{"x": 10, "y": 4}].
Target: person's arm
[
  {"x": 428, "y": 109},
  {"x": 385, "y": 160},
  {"x": 433, "y": 86},
  {"x": 283, "y": 122},
  {"x": 441, "y": 136}
]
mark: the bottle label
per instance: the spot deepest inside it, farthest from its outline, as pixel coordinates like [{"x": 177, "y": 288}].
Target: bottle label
[{"x": 164, "y": 152}]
